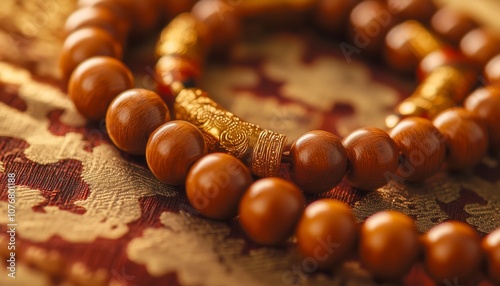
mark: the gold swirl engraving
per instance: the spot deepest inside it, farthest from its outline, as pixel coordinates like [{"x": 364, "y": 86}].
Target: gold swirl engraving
[{"x": 259, "y": 149}]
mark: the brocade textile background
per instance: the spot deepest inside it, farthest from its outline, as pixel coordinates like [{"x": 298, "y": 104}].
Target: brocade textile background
[{"x": 88, "y": 214}]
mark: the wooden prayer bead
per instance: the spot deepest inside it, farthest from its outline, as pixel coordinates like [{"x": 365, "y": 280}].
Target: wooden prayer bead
[
  {"x": 422, "y": 146},
  {"x": 369, "y": 22},
  {"x": 327, "y": 233},
  {"x": 270, "y": 210},
  {"x": 117, "y": 8},
  {"x": 333, "y": 16},
  {"x": 452, "y": 252},
  {"x": 220, "y": 20},
  {"x": 492, "y": 70},
  {"x": 318, "y": 161},
  {"x": 420, "y": 10},
  {"x": 372, "y": 154},
  {"x": 480, "y": 46},
  {"x": 172, "y": 149},
  {"x": 408, "y": 43},
  {"x": 485, "y": 104},
  {"x": 389, "y": 244},
  {"x": 95, "y": 83},
  {"x": 439, "y": 58},
  {"x": 86, "y": 43},
  {"x": 172, "y": 69},
  {"x": 491, "y": 248},
  {"x": 96, "y": 17},
  {"x": 451, "y": 24},
  {"x": 132, "y": 116},
  {"x": 466, "y": 138},
  {"x": 215, "y": 185}
]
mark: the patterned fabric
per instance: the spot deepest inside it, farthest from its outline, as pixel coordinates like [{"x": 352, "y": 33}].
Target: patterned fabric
[{"x": 88, "y": 214}]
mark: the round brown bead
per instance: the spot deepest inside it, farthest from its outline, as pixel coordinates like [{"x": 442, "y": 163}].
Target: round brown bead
[
  {"x": 215, "y": 185},
  {"x": 222, "y": 30},
  {"x": 95, "y": 83},
  {"x": 389, "y": 244},
  {"x": 133, "y": 116},
  {"x": 332, "y": 16},
  {"x": 485, "y": 104},
  {"x": 142, "y": 16},
  {"x": 466, "y": 138},
  {"x": 370, "y": 21},
  {"x": 86, "y": 43},
  {"x": 439, "y": 58},
  {"x": 171, "y": 69},
  {"x": 451, "y": 25},
  {"x": 420, "y": 10},
  {"x": 452, "y": 252},
  {"x": 270, "y": 210},
  {"x": 372, "y": 154},
  {"x": 492, "y": 70},
  {"x": 491, "y": 247},
  {"x": 480, "y": 46},
  {"x": 401, "y": 52},
  {"x": 422, "y": 146},
  {"x": 172, "y": 149},
  {"x": 318, "y": 161},
  {"x": 327, "y": 233},
  {"x": 95, "y": 16}
]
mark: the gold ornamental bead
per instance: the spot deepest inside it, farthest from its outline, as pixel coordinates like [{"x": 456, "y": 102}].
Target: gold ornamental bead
[
  {"x": 182, "y": 37},
  {"x": 444, "y": 87},
  {"x": 258, "y": 148}
]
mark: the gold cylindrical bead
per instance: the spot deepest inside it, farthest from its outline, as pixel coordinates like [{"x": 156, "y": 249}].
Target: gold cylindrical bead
[
  {"x": 444, "y": 87},
  {"x": 421, "y": 40},
  {"x": 181, "y": 37},
  {"x": 259, "y": 149}
]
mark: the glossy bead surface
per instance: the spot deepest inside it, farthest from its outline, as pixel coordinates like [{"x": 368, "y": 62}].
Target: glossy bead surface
[
  {"x": 485, "y": 104},
  {"x": 420, "y": 10},
  {"x": 86, "y": 43},
  {"x": 388, "y": 244},
  {"x": 318, "y": 161},
  {"x": 480, "y": 46},
  {"x": 408, "y": 43},
  {"x": 451, "y": 24},
  {"x": 332, "y": 16},
  {"x": 492, "y": 70},
  {"x": 422, "y": 146},
  {"x": 171, "y": 69},
  {"x": 95, "y": 17},
  {"x": 452, "y": 252},
  {"x": 491, "y": 249},
  {"x": 466, "y": 138},
  {"x": 327, "y": 233},
  {"x": 172, "y": 149},
  {"x": 132, "y": 116},
  {"x": 220, "y": 20},
  {"x": 371, "y": 154},
  {"x": 215, "y": 185},
  {"x": 369, "y": 22},
  {"x": 95, "y": 83},
  {"x": 439, "y": 58},
  {"x": 270, "y": 210}
]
